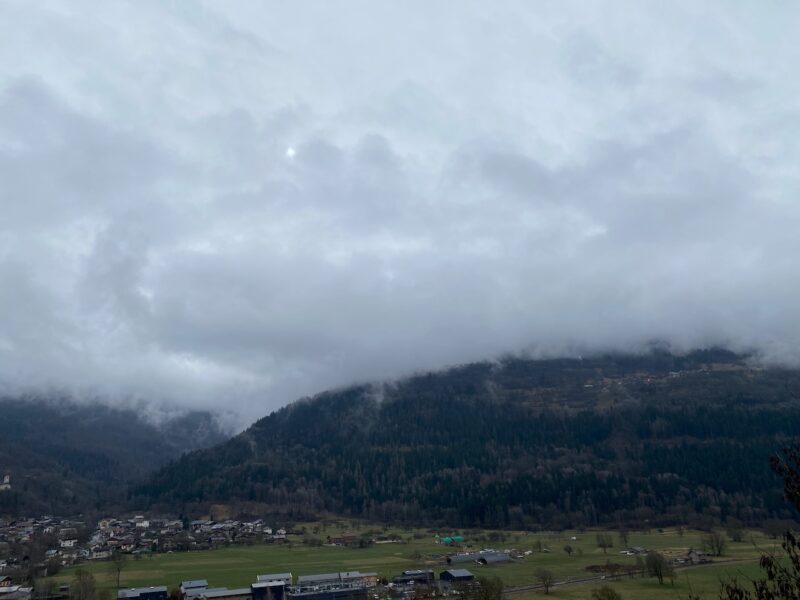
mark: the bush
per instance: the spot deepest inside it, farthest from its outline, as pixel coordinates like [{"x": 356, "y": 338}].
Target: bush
[{"x": 606, "y": 593}]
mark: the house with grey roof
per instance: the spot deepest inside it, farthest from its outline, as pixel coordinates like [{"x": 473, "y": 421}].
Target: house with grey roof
[
  {"x": 193, "y": 584},
  {"x": 192, "y": 588},
  {"x": 143, "y": 593}
]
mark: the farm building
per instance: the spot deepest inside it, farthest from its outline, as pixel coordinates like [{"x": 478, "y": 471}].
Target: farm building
[
  {"x": 456, "y": 576},
  {"x": 468, "y": 557},
  {"x": 492, "y": 558}
]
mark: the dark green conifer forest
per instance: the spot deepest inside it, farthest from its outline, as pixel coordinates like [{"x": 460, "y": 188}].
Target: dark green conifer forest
[{"x": 653, "y": 439}]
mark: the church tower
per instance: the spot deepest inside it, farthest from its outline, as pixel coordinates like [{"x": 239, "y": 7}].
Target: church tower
[{"x": 6, "y": 485}]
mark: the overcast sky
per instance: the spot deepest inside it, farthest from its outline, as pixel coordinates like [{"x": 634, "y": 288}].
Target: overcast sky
[{"x": 232, "y": 204}]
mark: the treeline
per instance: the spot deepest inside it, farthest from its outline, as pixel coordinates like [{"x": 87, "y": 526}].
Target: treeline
[{"x": 656, "y": 439}]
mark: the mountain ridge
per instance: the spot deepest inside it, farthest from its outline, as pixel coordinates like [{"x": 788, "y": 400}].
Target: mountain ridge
[
  {"x": 67, "y": 457},
  {"x": 520, "y": 442}
]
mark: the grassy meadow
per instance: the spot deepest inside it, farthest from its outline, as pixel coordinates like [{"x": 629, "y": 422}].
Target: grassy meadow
[{"x": 237, "y": 566}]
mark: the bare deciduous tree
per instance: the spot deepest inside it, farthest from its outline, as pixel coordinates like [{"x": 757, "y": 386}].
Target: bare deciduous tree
[
  {"x": 546, "y": 579},
  {"x": 117, "y": 564},
  {"x": 658, "y": 566},
  {"x": 82, "y": 586},
  {"x": 604, "y": 541},
  {"x": 714, "y": 543},
  {"x": 623, "y": 537}
]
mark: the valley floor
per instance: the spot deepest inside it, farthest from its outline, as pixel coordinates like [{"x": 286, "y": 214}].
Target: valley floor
[{"x": 238, "y": 566}]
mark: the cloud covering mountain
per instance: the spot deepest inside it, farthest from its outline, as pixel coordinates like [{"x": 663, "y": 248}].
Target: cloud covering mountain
[{"x": 231, "y": 204}]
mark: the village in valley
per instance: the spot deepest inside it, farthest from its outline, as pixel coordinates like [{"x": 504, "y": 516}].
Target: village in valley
[
  {"x": 37, "y": 553},
  {"x": 70, "y": 543}
]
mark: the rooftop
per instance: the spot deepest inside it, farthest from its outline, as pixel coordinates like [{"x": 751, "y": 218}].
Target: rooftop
[
  {"x": 303, "y": 579},
  {"x": 225, "y": 593},
  {"x": 274, "y": 577},
  {"x": 194, "y": 583},
  {"x": 136, "y": 592},
  {"x": 459, "y": 572}
]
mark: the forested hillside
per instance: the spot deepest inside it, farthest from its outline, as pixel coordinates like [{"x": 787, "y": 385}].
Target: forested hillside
[
  {"x": 657, "y": 438},
  {"x": 68, "y": 458}
]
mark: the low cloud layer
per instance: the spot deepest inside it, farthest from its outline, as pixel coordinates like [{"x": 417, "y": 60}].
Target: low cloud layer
[{"x": 231, "y": 204}]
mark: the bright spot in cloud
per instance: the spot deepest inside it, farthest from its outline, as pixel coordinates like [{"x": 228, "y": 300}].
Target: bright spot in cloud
[{"x": 559, "y": 177}]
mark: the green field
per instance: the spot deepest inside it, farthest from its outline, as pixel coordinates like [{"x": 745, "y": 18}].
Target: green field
[
  {"x": 703, "y": 581},
  {"x": 238, "y": 566}
]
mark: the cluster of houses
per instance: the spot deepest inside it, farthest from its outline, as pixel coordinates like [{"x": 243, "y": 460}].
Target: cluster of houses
[
  {"x": 23, "y": 530},
  {"x": 692, "y": 556},
  {"x": 347, "y": 585},
  {"x": 69, "y": 541},
  {"x": 61, "y": 536},
  {"x": 140, "y": 534}
]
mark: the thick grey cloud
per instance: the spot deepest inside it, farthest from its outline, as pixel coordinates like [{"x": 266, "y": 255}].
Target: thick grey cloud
[{"x": 231, "y": 204}]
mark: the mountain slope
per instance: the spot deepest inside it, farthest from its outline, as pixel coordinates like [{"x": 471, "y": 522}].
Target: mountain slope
[
  {"x": 66, "y": 458},
  {"x": 656, "y": 438}
]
